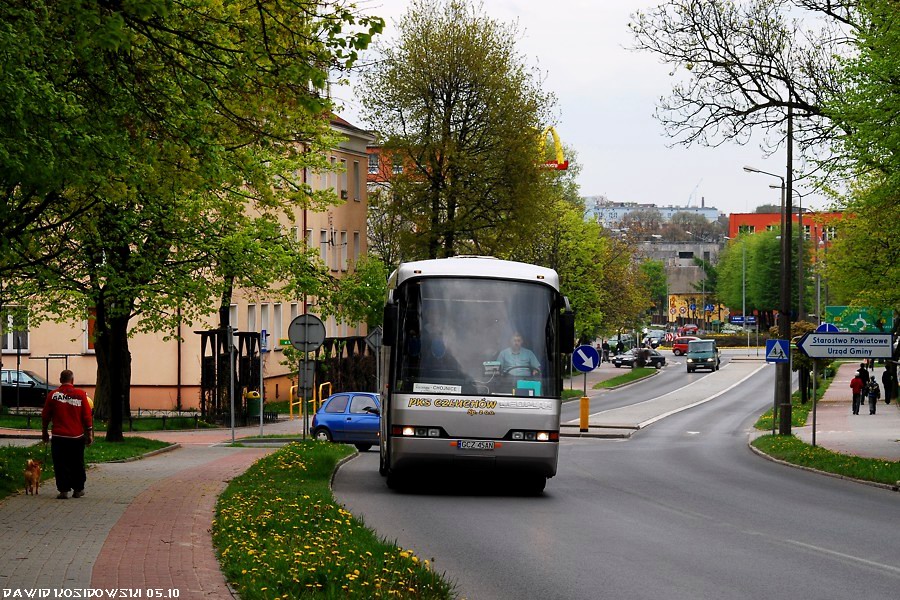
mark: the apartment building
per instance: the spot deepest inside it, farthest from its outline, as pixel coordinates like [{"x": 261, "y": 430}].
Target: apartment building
[{"x": 166, "y": 374}]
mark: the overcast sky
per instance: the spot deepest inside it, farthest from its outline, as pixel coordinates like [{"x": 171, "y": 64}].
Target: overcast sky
[{"x": 606, "y": 96}]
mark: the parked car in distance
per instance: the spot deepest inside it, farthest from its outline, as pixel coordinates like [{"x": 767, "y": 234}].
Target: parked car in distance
[
  {"x": 680, "y": 345},
  {"x": 25, "y": 387},
  {"x": 348, "y": 418},
  {"x": 689, "y": 329},
  {"x": 628, "y": 359},
  {"x": 655, "y": 337},
  {"x": 702, "y": 354}
]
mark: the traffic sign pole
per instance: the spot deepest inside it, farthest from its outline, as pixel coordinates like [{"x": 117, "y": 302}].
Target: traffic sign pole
[{"x": 585, "y": 359}]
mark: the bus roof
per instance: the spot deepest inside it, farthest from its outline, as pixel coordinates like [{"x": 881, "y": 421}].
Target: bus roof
[{"x": 476, "y": 266}]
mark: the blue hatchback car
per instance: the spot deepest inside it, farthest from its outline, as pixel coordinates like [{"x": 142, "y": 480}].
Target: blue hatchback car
[{"x": 349, "y": 418}]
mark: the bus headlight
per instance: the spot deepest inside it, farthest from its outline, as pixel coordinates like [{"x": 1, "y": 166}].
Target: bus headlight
[{"x": 416, "y": 431}]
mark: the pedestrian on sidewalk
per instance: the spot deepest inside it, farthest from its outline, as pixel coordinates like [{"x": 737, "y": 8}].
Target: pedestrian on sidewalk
[
  {"x": 874, "y": 394},
  {"x": 68, "y": 410},
  {"x": 604, "y": 347},
  {"x": 857, "y": 385},
  {"x": 889, "y": 381}
]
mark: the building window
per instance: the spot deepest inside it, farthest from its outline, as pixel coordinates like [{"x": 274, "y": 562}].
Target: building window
[
  {"x": 355, "y": 247},
  {"x": 343, "y": 179},
  {"x": 323, "y": 246},
  {"x": 748, "y": 228},
  {"x": 263, "y": 317},
  {"x": 251, "y": 317},
  {"x": 398, "y": 165},
  {"x": 295, "y": 234},
  {"x": 14, "y": 326},
  {"x": 277, "y": 324},
  {"x": 343, "y": 250},
  {"x": 309, "y": 239},
  {"x": 357, "y": 182},
  {"x": 373, "y": 164},
  {"x": 294, "y": 311}
]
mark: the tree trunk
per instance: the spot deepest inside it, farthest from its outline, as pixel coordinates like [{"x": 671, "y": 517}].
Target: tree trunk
[{"x": 113, "y": 373}]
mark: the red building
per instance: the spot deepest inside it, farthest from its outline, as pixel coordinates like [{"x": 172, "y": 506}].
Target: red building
[{"x": 816, "y": 225}]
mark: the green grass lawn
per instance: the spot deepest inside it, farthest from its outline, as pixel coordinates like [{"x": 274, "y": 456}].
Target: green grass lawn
[
  {"x": 146, "y": 423},
  {"x": 12, "y": 458},
  {"x": 279, "y": 534},
  {"x": 791, "y": 449},
  {"x": 626, "y": 377}
]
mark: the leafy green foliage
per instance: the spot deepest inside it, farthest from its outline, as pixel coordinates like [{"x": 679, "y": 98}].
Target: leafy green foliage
[
  {"x": 453, "y": 103},
  {"x": 359, "y": 296},
  {"x": 183, "y": 130}
]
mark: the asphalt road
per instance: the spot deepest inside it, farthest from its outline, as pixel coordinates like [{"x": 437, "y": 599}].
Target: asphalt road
[{"x": 682, "y": 509}]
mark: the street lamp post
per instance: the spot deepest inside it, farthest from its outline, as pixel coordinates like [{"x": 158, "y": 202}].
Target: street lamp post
[{"x": 783, "y": 370}]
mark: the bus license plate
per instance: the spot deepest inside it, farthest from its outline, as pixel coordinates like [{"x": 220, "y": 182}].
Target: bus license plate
[{"x": 474, "y": 445}]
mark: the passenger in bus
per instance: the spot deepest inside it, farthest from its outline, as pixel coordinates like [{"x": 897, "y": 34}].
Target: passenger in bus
[{"x": 518, "y": 361}]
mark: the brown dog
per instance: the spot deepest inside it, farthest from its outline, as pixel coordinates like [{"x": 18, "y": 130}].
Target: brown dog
[{"x": 32, "y": 476}]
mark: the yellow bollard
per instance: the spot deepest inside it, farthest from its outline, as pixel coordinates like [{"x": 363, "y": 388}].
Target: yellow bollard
[{"x": 585, "y": 409}]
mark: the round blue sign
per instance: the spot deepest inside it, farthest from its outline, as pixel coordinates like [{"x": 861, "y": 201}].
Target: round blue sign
[
  {"x": 585, "y": 358},
  {"x": 826, "y": 328}
]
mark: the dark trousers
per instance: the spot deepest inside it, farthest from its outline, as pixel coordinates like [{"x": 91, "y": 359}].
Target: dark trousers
[
  {"x": 857, "y": 399},
  {"x": 68, "y": 463}
]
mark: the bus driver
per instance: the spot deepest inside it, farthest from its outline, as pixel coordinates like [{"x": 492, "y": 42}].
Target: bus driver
[{"x": 518, "y": 361}]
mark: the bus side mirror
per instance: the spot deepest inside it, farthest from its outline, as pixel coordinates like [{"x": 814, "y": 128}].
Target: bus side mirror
[
  {"x": 389, "y": 326},
  {"x": 567, "y": 332}
]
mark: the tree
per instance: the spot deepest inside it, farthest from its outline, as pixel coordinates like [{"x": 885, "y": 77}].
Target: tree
[
  {"x": 860, "y": 268},
  {"x": 386, "y": 227},
  {"x": 457, "y": 108},
  {"x": 741, "y": 66},
  {"x": 206, "y": 110},
  {"x": 654, "y": 272},
  {"x": 642, "y": 223},
  {"x": 359, "y": 296}
]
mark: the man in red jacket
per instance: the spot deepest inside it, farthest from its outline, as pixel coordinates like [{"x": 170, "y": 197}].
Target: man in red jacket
[
  {"x": 67, "y": 408},
  {"x": 856, "y": 384}
]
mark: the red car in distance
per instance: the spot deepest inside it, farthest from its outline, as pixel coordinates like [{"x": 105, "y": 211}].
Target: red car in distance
[{"x": 680, "y": 345}]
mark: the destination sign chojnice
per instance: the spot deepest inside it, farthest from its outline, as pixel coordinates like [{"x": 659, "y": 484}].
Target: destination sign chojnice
[{"x": 846, "y": 345}]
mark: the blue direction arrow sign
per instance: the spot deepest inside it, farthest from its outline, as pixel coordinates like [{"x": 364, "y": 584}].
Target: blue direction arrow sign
[
  {"x": 846, "y": 345},
  {"x": 585, "y": 358},
  {"x": 778, "y": 351}
]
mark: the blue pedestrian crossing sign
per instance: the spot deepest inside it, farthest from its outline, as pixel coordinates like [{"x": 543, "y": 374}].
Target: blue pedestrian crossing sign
[
  {"x": 778, "y": 351},
  {"x": 585, "y": 358}
]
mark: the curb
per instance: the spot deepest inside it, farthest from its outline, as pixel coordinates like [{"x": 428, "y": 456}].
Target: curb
[
  {"x": 758, "y": 452},
  {"x": 168, "y": 448}
]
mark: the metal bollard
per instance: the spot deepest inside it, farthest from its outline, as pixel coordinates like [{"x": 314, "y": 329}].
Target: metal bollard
[{"x": 585, "y": 409}]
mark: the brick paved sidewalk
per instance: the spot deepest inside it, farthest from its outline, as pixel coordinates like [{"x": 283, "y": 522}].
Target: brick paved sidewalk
[{"x": 141, "y": 524}]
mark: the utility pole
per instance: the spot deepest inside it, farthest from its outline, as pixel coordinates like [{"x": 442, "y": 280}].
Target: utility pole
[{"x": 783, "y": 370}]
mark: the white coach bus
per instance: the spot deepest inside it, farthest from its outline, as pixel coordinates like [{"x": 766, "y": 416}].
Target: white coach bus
[{"x": 472, "y": 369}]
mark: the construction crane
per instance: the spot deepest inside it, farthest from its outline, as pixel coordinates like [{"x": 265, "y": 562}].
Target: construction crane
[{"x": 693, "y": 194}]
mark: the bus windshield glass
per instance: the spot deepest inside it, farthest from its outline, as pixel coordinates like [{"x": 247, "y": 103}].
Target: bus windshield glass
[{"x": 476, "y": 336}]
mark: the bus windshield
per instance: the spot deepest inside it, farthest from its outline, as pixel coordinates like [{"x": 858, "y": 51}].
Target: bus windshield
[{"x": 456, "y": 336}]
